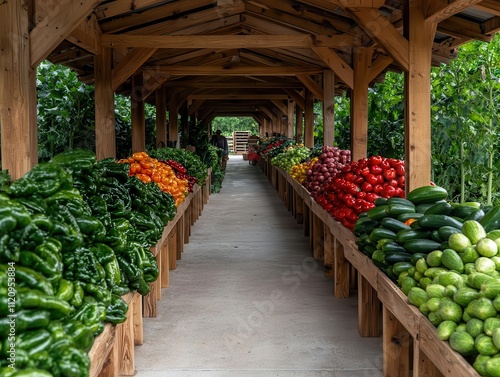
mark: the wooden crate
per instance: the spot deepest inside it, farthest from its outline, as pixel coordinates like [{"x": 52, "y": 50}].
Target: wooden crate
[{"x": 240, "y": 141}]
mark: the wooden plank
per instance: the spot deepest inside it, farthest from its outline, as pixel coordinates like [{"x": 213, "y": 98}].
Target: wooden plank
[
  {"x": 373, "y": 22},
  {"x": 161, "y": 117},
  {"x": 396, "y": 346},
  {"x": 100, "y": 351},
  {"x": 87, "y": 35},
  {"x": 137, "y": 320},
  {"x": 158, "y": 282},
  {"x": 307, "y": 218},
  {"x": 296, "y": 97},
  {"x": 111, "y": 366},
  {"x": 312, "y": 86},
  {"x": 180, "y": 237},
  {"x": 172, "y": 248},
  {"x": 17, "y": 90},
  {"x": 422, "y": 365},
  {"x": 328, "y": 253},
  {"x": 362, "y": 58},
  {"x": 216, "y": 70},
  {"x": 230, "y": 95},
  {"x": 105, "y": 139},
  {"x": 309, "y": 120},
  {"x": 378, "y": 66},
  {"x": 328, "y": 108},
  {"x": 138, "y": 119},
  {"x": 149, "y": 302},
  {"x": 448, "y": 361},
  {"x": 441, "y": 11},
  {"x": 165, "y": 265},
  {"x": 341, "y": 271},
  {"x": 336, "y": 64},
  {"x": 368, "y": 309},
  {"x": 56, "y": 26},
  {"x": 226, "y": 41},
  {"x": 299, "y": 123},
  {"x": 362, "y": 3},
  {"x": 393, "y": 298},
  {"x": 317, "y": 236},
  {"x": 361, "y": 263},
  {"x": 129, "y": 64},
  {"x": 418, "y": 99},
  {"x": 125, "y": 343}
]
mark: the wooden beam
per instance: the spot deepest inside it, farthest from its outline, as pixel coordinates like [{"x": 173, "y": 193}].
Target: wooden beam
[
  {"x": 195, "y": 105},
  {"x": 56, "y": 26},
  {"x": 280, "y": 106},
  {"x": 290, "y": 118},
  {"x": 465, "y": 29},
  {"x": 312, "y": 86},
  {"x": 105, "y": 140},
  {"x": 173, "y": 126},
  {"x": 418, "y": 98},
  {"x": 362, "y": 58},
  {"x": 329, "y": 108},
  {"x": 226, "y": 41},
  {"x": 309, "y": 119},
  {"x": 87, "y": 35},
  {"x": 161, "y": 117},
  {"x": 440, "y": 11},
  {"x": 299, "y": 124},
  {"x": 380, "y": 29},
  {"x": 297, "y": 97},
  {"x": 231, "y": 96},
  {"x": 16, "y": 89},
  {"x": 137, "y": 115},
  {"x": 336, "y": 64},
  {"x": 129, "y": 64},
  {"x": 115, "y": 8},
  {"x": 201, "y": 70},
  {"x": 362, "y": 3},
  {"x": 378, "y": 66},
  {"x": 234, "y": 85},
  {"x": 151, "y": 84},
  {"x": 490, "y": 6}
]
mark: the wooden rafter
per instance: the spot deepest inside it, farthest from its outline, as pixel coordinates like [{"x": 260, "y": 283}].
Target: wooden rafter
[
  {"x": 230, "y": 96},
  {"x": 280, "y": 105},
  {"x": 87, "y": 35},
  {"x": 297, "y": 97},
  {"x": 128, "y": 65},
  {"x": 336, "y": 64},
  {"x": 312, "y": 85},
  {"x": 233, "y": 71},
  {"x": 440, "y": 11},
  {"x": 56, "y": 26},
  {"x": 226, "y": 41},
  {"x": 378, "y": 66}
]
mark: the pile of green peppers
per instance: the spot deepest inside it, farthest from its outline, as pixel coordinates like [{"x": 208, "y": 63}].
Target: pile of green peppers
[{"x": 74, "y": 237}]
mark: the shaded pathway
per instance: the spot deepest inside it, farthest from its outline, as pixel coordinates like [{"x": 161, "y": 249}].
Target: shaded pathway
[{"x": 248, "y": 300}]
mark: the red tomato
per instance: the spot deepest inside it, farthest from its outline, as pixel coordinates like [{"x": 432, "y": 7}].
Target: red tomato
[
  {"x": 376, "y": 169},
  {"x": 389, "y": 174},
  {"x": 367, "y": 187}
]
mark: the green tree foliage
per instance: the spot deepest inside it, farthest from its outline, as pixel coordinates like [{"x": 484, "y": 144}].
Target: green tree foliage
[{"x": 229, "y": 124}]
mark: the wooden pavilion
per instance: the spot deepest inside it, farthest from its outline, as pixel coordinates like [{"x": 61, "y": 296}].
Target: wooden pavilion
[{"x": 268, "y": 59}]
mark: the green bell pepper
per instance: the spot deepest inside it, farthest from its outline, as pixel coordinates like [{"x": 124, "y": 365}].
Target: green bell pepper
[
  {"x": 52, "y": 273},
  {"x": 78, "y": 295},
  {"x": 75, "y": 160},
  {"x": 49, "y": 178},
  {"x": 27, "y": 277},
  {"x": 33, "y": 341},
  {"x": 66, "y": 290},
  {"x": 73, "y": 363},
  {"x": 82, "y": 335},
  {"x": 116, "y": 312}
]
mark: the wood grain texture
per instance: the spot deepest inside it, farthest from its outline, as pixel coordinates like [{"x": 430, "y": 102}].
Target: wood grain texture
[
  {"x": 137, "y": 318},
  {"x": 125, "y": 342},
  {"x": 369, "y": 309},
  {"x": 341, "y": 271},
  {"x": 396, "y": 346},
  {"x": 100, "y": 351}
]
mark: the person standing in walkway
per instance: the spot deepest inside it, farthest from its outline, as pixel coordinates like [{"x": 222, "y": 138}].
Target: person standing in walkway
[{"x": 220, "y": 142}]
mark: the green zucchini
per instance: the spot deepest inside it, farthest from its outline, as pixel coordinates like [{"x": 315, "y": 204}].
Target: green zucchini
[
  {"x": 477, "y": 215},
  {"x": 380, "y": 201},
  {"x": 377, "y": 213},
  {"x": 434, "y": 221},
  {"x": 409, "y": 215},
  {"x": 446, "y": 231},
  {"x": 409, "y": 234},
  {"x": 421, "y": 246},
  {"x": 380, "y": 233},
  {"x": 491, "y": 220},
  {"x": 398, "y": 209},
  {"x": 400, "y": 265},
  {"x": 440, "y": 208},
  {"x": 462, "y": 210},
  {"x": 435, "y": 236},
  {"x": 378, "y": 258},
  {"x": 364, "y": 225},
  {"x": 393, "y": 247},
  {"x": 427, "y": 194},
  {"x": 415, "y": 257},
  {"x": 393, "y": 224},
  {"x": 422, "y": 207},
  {"x": 400, "y": 201}
]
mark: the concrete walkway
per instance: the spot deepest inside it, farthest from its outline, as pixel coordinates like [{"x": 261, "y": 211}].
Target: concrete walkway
[{"x": 247, "y": 300}]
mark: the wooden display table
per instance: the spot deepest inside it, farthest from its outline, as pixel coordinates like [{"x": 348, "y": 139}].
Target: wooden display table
[
  {"x": 410, "y": 343},
  {"x": 112, "y": 354}
]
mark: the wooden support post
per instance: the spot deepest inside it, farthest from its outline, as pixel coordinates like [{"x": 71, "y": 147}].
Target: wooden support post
[
  {"x": 125, "y": 342},
  {"x": 328, "y": 107},
  {"x": 290, "y": 116},
  {"x": 158, "y": 281},
  {"x": 418, "y": 97},
  {"x": 105, "y": 140},
  {"x": 180, "y": 237},
  {"x": 328, "y": 252},
  {"x": 161, "y": 117},
  {"x": 309, "y": 120},
  {"x": 318, "y": 234},
  {"x": 17, "y": 105},
  {"x": 184, "y": 124},
  {"x": 173, "y": 128},
  {"x": 368, "y": 309},
  {"x": 396, "y": 346},
  {"x": 299, "y": 124},
  {"x": 299, "y": 209},
  {"x": 165, "y": 265},
  {"x": 340, "y": 272},
  {"x": 306, "y": 217},
  {"x": 137, "y": 316},
  {"x": 149, "y": 302},
  {"x": 138, "y": 120},
  {"x": 172, "y": 248},
  {"x": 422, "y": 365},
  {"x": 353, "y": 278},
  {"x": 187, "y": 226},
  {"x": 110, "y": 367},
  {"x": 362, "y": 57}
]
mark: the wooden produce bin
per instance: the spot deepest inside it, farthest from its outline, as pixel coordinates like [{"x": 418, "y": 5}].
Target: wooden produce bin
[
  {"x": 410, "y": 343},
  {"x": 112, "y": 353}
]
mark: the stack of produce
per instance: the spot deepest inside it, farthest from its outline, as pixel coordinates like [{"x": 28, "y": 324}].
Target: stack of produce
[
  {"x": 299, "y": 172},
  {"x": 149, "y": 169},
  {"x": 354, "y": 190},
  {"x": 276, "y": 146},
  {"x": 181, "y": 173},
  {"x": 291, "y": 156},
  {"x": 330, "y": 162},
  {"x": 446, "y": 260},
  {"x": 75, "y": 237},
  {"x": 189, "y": 160}
]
